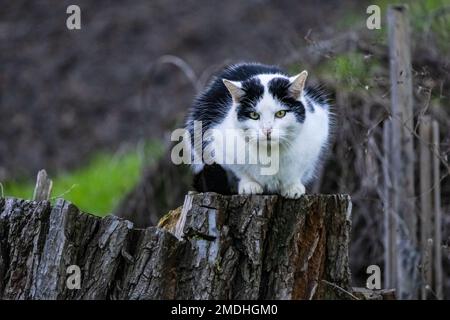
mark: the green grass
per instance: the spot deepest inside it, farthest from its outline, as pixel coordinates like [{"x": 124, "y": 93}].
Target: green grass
[{"x": 97, "y": 187}]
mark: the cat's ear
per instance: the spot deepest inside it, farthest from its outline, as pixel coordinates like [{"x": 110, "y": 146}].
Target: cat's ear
[
  {"x": 235, "y": 89},
  {"x": 298, "y": 84}
]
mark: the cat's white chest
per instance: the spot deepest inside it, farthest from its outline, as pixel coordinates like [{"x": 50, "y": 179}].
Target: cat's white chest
[
  {"x": 292, "y": 168},
  {"x": 292, "y": 165}
]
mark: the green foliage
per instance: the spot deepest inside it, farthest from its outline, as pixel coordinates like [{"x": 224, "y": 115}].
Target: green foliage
[
  {"x": 97, "y": 187},
  {"x": 430, "y": 23},
  {"x": 430, "y": 20},
  {"x": 351, "y": 70}
]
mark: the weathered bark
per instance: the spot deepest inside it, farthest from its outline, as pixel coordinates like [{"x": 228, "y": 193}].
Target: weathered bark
[
  {"x": 214, "y": 247},
  {"x": 43, "y": 187},
  {"x": 367, "y": 294}
]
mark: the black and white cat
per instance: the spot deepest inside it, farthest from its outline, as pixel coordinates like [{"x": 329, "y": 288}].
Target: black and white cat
[{"x": 263, "y": 104}]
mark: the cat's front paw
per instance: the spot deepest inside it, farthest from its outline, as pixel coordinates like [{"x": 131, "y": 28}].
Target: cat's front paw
[
  {"x": 250, "y": 187},
  {"x": 293, "y": 191}
]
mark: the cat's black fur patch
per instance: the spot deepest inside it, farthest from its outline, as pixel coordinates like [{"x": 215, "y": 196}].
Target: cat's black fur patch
[
  {"x": 309, "y": 104},
  {"x": 279, "y": 89},
  {"x": 213, "y": 178},
  {"x": 254, "y": 91},
  {"x": 317, "y": 95}
]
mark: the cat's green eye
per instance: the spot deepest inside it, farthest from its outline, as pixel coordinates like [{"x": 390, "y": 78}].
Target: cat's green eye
[
  {"x": 254, "y": 115},
  {"x": 280, "y": 114}
]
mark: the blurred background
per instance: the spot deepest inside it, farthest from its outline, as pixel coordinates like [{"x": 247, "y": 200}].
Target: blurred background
[{"x": 95, "y": 107}]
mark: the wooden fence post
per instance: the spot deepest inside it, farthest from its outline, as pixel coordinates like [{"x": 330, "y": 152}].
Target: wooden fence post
[
  {"x": 402, "y": 151},
  {"x": 438, "y": 274},
  {"x": 390, "y": 257},
  {"x": 425, "y": 205}
]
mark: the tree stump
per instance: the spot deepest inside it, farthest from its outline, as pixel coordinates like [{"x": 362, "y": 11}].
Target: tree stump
[{"x": 214, "y": 247}]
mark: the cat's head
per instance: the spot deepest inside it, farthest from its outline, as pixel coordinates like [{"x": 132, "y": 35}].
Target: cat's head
[{"x": 268, "y": 106}]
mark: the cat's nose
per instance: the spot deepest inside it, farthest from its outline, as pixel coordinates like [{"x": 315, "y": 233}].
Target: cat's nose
[{"x": 267, "y": 131}]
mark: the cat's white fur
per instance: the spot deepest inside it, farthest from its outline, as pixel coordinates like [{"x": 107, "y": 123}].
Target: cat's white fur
[{"x": 299, "y": 152}]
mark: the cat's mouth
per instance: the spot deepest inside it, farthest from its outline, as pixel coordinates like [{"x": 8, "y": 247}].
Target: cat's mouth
[
  {"x": 268, "y": 139},
  {"x": 254, "y": 137},
  {"x": 265, "y": 139}
]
